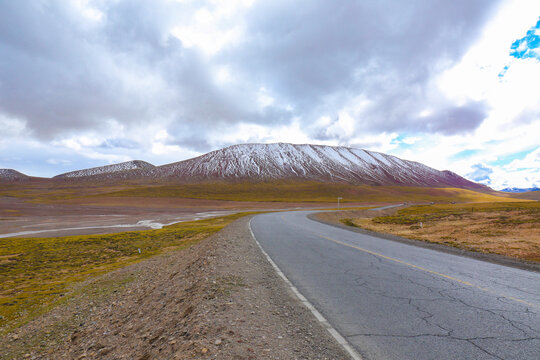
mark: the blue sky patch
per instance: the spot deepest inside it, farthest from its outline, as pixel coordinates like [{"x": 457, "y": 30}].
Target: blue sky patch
[
  {"x": 528, "y": 46},
  {"x": 507, "y": 159},
  {"x": 503, "y": 72},
  {"x": 465, "y": 154}
]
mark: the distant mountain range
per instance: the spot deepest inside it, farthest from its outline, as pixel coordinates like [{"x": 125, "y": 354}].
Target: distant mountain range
[
  {"x": 281, "y": 161},
  {"x": 121, "y": 168},
  {"x": 12, "y": 175},
  {"x": 519, "y": 190}
]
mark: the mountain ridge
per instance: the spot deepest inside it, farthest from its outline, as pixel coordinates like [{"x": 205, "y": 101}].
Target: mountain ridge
[
  {"x": 312, "y": 162},
  {"x": 107, "y": 169},
  {"x": 284, "y": 161},
  {"x": 12, "y": 175},
  {"x": 519, "y": 190}
]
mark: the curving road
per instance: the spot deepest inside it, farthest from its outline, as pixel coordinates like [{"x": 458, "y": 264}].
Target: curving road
[{"x": 396, "y": 301}]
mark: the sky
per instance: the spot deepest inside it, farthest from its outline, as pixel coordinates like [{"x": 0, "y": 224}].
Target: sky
[{"x": 451, "y": 84}]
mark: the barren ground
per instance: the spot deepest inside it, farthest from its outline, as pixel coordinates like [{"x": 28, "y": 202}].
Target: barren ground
[
  {"x": 103, "y": 215},
  {"x": 219, "y": 299}
]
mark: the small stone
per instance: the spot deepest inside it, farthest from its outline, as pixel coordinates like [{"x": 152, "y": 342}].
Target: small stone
[
  {"x": 27, "y": 356},
  {"x": 217, "y": 342},
  {"x": 204, "y": 350},
  {"x": 172, "y": 342},
  {"x": 280, "y": 337}
]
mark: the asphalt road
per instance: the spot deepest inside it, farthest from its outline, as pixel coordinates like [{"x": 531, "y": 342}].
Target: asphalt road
[{"x": 396, "y": 301}]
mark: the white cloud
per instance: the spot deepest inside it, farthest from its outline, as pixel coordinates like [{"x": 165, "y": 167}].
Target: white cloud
[
  {"x": 53, "y": 161},
  {"x": 90, "y": 12},
  {"x": 264, "y": 98},
  {"x": 214, "y": 27},
  {"x": 11, "y": 128},
  {"x": 411, "y": 140},
  {"x": 530, "y": 162}
]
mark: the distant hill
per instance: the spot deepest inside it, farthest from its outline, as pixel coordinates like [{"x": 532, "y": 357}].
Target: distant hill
[
  {"x": 12, "y": 175},
  {"x": 529, "y": 195},
  {"x": 108, "y": 171},
  {"x": 518, "y": 190}
]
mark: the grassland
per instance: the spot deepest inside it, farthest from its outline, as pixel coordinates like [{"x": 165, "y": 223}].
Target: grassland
[
  {"x": 305, "y": 192},
  {"x": 510, "y": 229},
  {"x": 36, "y": 274},
  {"x": 529, "y": 195},
  {"x": 276, "y": 191},
  {"x": 46, "y": 191}
]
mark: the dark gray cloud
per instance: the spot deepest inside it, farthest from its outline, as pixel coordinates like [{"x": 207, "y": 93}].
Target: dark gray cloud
[
  {"x": 456, "y": 119},
  {"x": 62, "y": 73},
  {"x": 324, "y": 55},
  {"x": 54, "y": 73}
]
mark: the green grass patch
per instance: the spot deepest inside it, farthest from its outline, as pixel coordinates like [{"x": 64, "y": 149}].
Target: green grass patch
[
  {"x": 36, "y": 273},
  {"x": 348, "y": 222}
]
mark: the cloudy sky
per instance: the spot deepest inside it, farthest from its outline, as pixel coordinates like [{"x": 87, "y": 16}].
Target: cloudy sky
[{"x": 452, "y": 84}]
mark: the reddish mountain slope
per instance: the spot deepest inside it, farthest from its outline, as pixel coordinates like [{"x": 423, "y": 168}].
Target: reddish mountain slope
[{"x": 281, "y": 161}]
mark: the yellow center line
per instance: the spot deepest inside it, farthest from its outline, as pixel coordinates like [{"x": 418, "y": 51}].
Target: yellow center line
[{"x": 429, "y": 271}]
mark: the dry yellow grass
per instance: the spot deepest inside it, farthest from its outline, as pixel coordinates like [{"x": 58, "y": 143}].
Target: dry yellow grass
[
  {"x": 272, "y": 191},
  {"x": 510, "y": 229},
  {"x": 307, "y": 191}
]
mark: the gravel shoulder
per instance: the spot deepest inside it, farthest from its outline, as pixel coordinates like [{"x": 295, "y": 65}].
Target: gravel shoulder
[{"x": 219, "y": 299}]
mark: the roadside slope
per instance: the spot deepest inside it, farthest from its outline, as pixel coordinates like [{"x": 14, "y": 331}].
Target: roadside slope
[{"x": 218, "y": 299}]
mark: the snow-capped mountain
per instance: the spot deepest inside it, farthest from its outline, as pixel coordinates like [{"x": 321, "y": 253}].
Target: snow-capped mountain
[
  {"x": 109, "y": 170},
  {"x": 283, "y": 161},
  {"x": 12, "y": 175},
  {"x": 519, "y": 190}
]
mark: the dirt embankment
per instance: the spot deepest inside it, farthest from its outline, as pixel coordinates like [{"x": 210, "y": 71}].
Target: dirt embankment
[{"x": 220, "y": 299}]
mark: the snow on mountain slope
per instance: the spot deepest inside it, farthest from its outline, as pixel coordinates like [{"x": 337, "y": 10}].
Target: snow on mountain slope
[
  {"x": 12, "y": 175},
  {"x": 282, "y": 161},
  {"x": 112, "y": 170},
  {"x": 310, "y": 162},
  {"x": 519, "y": 190}
]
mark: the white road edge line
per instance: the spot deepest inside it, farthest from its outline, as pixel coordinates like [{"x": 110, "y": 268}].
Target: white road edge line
[{"x": 339, "y": 338}]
